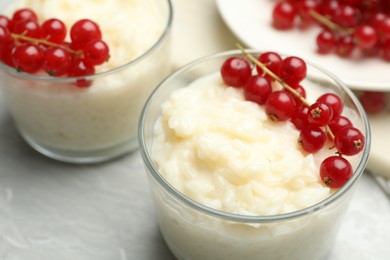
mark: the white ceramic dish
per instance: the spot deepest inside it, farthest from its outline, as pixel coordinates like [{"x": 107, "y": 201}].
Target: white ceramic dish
[{"x": 250, "y": 21}]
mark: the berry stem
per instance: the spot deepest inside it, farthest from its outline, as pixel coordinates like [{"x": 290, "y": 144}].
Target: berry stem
[
  {"x": 273, "y": 75},
  {"x": 331, "y": 135},
  {"x": 328, "y": 23},
  {"x": 45, "y": 42},
  {"x": 278, "y": 79}
]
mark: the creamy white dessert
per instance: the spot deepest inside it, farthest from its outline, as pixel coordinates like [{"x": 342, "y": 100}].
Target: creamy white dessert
[
  {"x": 58, "y": 114},
  {"x": 221, "y": 151}
]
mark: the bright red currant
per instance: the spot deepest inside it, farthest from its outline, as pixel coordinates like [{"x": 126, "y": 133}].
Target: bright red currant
[
  {"x": 23, "y": 14},
  {"x": 235, "y": 71},
  {"x": 335, "y": 171},
  {"x": 257, "y": 89},
  {"x": 96, "y": 52},
  {"x": 345, "y": 46},
  {"x": 283, "y": 15},
  {"x": 5, "y": 22},
  {"x": 326, "y": 42},
  {"x": 301, "y": 91},
  {"x": 349, "y": 141},
  {"x": 54, "y": 30},
  {"x": 373, "y": 101},
  {"x": 280, "y": 105},
  {"x": 5, "y": 37},
  {"x": 376, "y": 19},
  {"x": 28, "y": 28},
  {"x": 304, "y": 7},
  {"x": 272, "y": 61},
  {"x": 80, "y": 68},
  {"x": 299, "y": 117},
  {"x": 28, "y": 57},
  {"x": 84, "y": 31},
  {"x": 384, "y": 29},
  {"x": 347, "y": 16},
  {"x": 334, "y": 101},
  {"x": 293, "y": 70},
  {"x": 6, "y": 52},
  {"x": 319, "y": 114},
  {"x": 312, "y": 138},
  {"x": 330, "y": 8},
  {"x": 338, "y": 123},
  {"x": 56, "y": 61},
  {"x": 365, "y": 36}
]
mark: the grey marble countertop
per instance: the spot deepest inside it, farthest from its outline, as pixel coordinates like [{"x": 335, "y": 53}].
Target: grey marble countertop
[{"x": 51, "y": 210}]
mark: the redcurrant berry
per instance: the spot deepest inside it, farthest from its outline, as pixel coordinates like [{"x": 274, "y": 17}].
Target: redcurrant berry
[
  {"x": 84, "y": 31},
  {"x": 330, "y": 8},
  {"x": 283, "y": 15},
  {"x": 54, "y": 30},
  {"x": 56, "y": 61},
  {"x": 28, "y": 28},
  {"x": 5, "y": 37},
  {"x": 6, "y": 54},
  {"x": 299, "y": 117},
  {"x": 347, "y": 16},
  {"x": 345, "y": 46},
  {"x": 23, "y": 14},
  {"x": 349, "y": 141},
  {"x": 293, "y": 70},
  {"x": 312, "y": 138},
  {"x": 373, "y": 101},
  {"x": 301, "y": 91},
  {"x": 280, "y": 105},
  {"x": 96, "y": 52},
  {"x": 28, "y": 57},
  {"x": 365, "y": 36},
  {"x": 257, "y": 89},
  {"x": 335, "y": 171},
  {"x": 5, "y": 22},
  {"x": 326, "y": 42},
  {"x": 376, "y": 19},
  {"x": 384, "y": 29},
  {"x": 334, "y": 101},
  {"x": 304, "y": 7},
  {"x": 272, "y": 61},
  {"x": 80, "y": 68},
  {"x": 338, "y": 123},
  {"x": 319, "y": 114},
  {"x": 235, "y": 71}
]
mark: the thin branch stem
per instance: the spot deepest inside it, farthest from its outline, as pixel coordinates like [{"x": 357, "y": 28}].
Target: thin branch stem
[
  {"x": 45, "y": 42},
  {"x": 328, "y": 23},
  {"x": 273, "y": 75},
  {"x": 278, "y": 79}
]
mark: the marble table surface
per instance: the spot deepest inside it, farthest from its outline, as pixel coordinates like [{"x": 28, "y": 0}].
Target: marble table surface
[{"x": 52, "y": 210}]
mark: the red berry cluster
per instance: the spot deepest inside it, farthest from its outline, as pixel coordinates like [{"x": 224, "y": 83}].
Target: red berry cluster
[
  {"x": 347, "y": 25},
  {"x": 29, "y": 46},
  {"x": 316, "y": 122},
  {"x": 373, "y": 101}
]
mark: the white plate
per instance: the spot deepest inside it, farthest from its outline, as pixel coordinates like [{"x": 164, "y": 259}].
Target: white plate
[{"x": 250, "y": 21}]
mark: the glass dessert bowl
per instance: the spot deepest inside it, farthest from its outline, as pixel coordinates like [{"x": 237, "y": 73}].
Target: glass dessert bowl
[
  {"x": 222, "y": 188},
  {"x": 99, "y": 122}
]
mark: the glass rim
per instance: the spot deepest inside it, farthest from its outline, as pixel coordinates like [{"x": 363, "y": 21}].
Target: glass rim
[
  {"x": 248, "y": 218},
  {"x": 168, "y": 27}
]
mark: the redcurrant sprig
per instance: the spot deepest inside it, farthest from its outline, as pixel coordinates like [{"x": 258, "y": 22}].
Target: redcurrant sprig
[
  {"x": 315, "y": 121},
  {"x": 31, "y": 47},
  {"x": 347, "y": 26}
]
